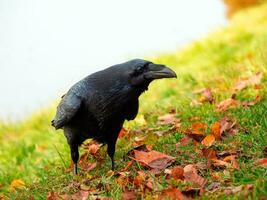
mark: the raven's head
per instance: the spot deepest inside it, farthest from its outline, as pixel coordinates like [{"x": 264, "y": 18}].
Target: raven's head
[{"x": 142, "y": 72}]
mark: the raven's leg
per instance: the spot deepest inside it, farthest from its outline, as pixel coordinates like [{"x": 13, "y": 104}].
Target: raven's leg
[
  {"x": 111, "y": 151},
  {"x": 75, "y": 156}
]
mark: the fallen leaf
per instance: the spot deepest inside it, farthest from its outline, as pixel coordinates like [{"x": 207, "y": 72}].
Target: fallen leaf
[
  {"x": 53, "y": 196},
  {"x": 206, "y": 96},
  {"x": 128, "y": 195},
  {"x": 245, "y": 82},
  {"x": 18, "y": 183},
  {"x": 216, "y": 130},
  {"x": 226, "y": 124},
  {"x": 220, "y": 163},
  {"x": 81, "y": 195},
  {"x": 226, "y": 104},
  {"x": 208, "y": 140},
  {"x": 153, "y": 159},
  {"x": 252, "y": 103},
  {"x": 209, "y": 153},
  {"x": 139, "y": 180},
  {"x": 233, "y": 161},
  {"x": 262, "y": 162},
  {"x": 168, "y": 119},
  {"x": 122, "y": 133},
  {"x": 196, "y": 131},
  {"x": 93, "y": 148},
  {"x": 171, "y": 193},
  {"x": 86, "y": 166},
  {"x": 191, "y": 175},
  {"x": 177, "y": 173},
  {"x": 122, "y": 181}
]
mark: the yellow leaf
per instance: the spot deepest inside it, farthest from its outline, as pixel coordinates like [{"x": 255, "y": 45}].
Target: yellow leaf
[
  {"x": 17, "y": 184},
  {"x": 140, "y": 120}
]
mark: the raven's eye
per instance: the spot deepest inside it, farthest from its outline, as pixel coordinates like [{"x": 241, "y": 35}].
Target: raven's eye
[{"x": 139, "y": 69}]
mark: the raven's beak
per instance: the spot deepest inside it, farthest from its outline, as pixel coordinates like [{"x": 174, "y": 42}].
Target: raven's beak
[{"x": 158, "y": 72}]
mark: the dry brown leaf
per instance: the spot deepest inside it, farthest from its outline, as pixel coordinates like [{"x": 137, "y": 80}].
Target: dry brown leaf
[
  {"x": 232, "y": 160},
  {"x": 226, "y": 124},
  {"x": 245, "y": 82},
  {"x": 53, "y": 196},
  {"x": 207, "y": 96},
  {"x": 208, "y": 140},
  {"x": 177, "y": 173},
  {"x": 122, "y": 180},
  {"x": 86, "y": 166},
  {"x": 129, "y": 195},
  {"x": 196, "y": 131},
  {"x": 252, "y": 103},
  {"x": 139, "y": 180},
  {"x": 18, "y": 183},
  {"x": 226, "y": 104},
  {"x": 171, "y": 193},
  {"x": 216, "y": 130},
  {"x": 209, "y": 153},
  {"x": 262, "y": 162},
  {"x": 81, "y": 195},
  {"x": 191, "y": 175},
  {"x": 153, "y": 159},
  {"x": 220, "y": 163},
  {"x": 168, "y": 119}
]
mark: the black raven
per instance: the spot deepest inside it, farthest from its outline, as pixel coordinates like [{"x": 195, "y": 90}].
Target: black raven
[{"x": 97, "y": 106}]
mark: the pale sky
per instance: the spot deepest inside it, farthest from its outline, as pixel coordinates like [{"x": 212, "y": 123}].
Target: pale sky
[{"x": 46, "y": 46}]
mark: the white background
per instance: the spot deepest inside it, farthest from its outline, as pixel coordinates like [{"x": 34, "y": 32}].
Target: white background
[{"x": 46, "y": 46}]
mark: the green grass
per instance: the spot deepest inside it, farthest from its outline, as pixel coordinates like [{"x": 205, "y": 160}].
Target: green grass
[{"x": 34, "y": 152}]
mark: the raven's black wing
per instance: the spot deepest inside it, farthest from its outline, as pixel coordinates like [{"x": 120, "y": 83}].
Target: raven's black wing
[{"x": 67, "y": 108}]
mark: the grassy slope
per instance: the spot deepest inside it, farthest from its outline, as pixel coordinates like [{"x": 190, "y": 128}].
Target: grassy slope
[{"x": 34, "y": 152}]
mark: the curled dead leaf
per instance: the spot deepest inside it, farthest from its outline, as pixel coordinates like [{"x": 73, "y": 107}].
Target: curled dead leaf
[
  {"x": 153, "y": 159},
  {"x": 226, "y": 104},
  {"x": 191, "y": 175},
  {"x": 196, "y": 131},
  {"x": 252, "y": 103},
  {"x": 245, "y": 82},
  {"x": 216, "y": 130}
]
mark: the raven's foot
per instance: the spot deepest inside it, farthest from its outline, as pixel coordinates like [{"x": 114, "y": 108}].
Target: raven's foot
[{"x": 75, "y": 169}]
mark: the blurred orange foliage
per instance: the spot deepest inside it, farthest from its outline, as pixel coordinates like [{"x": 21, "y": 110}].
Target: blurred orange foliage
[{"x": 235, "y": 5}]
